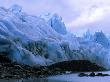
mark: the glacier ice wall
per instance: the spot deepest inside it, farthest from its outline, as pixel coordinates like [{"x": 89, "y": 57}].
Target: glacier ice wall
[
  {"x": 41, "y": 41},
  {"x": 55, "y": 21},
  {"x": 29, "y": 39}
]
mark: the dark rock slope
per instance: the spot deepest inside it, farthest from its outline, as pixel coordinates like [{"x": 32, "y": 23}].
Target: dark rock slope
[
  {"x": 77, "y": 66},
  {"x": 9, "y": 69}
]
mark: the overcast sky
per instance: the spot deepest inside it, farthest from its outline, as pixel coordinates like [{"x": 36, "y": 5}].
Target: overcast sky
[{"x": 78, "y": 15}]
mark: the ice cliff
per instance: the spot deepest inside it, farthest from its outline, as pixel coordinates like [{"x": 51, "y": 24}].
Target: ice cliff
[
  {"x": 43, "y": 40},
  {"x": 55, "y": 21},
  {"x": 30, "y": 39}
]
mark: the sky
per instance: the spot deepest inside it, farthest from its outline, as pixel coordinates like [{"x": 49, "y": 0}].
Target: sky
[{"x": 78, "y": 15}]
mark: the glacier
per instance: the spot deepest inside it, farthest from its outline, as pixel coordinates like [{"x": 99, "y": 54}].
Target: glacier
[
  {"x": 55, "y": 21},
  {"x": 44, "y": 40}
]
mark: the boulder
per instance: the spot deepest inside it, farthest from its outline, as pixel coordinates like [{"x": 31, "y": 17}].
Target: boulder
[
  {"x": 92, "y": 74},
  {"x": 82, "y": 75}
]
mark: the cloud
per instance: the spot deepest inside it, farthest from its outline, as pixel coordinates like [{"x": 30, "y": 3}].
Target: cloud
[{"x": 90, "y": 15}]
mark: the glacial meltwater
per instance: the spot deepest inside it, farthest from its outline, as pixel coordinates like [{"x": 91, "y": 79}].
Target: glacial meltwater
[
  {"x": 31, "y": 80},
  {"x": 66, "y": 78}
]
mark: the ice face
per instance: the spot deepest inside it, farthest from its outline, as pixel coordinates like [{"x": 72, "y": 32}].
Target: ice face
[
  {"x": 55, "y": 22},
  {"x": 34, "y": 41},
  {"x": 15, "y": 8},
  {"x": 100, "y": 38}
]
